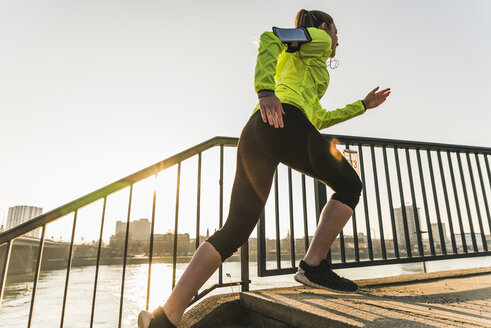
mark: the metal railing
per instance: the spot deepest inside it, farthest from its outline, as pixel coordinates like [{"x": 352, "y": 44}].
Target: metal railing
[
  {"x": 8, "y": 237},
  {"x": 400, "y": 232},
  {"x": 406, "y": 237}
]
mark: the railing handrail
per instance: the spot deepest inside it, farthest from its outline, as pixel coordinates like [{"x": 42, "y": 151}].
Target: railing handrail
[
  {"x": 367, "y": 141},
  {"x": 113, "y": 187},
  {"x": 215, "y": 141}
]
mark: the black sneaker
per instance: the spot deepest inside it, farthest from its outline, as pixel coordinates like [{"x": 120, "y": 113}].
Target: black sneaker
[
  {"x": 155, "y": 319},
  {"x": 323, "y": 277}
]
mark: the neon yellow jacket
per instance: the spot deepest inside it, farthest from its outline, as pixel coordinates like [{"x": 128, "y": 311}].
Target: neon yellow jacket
[{"x": 300, "y": 78}]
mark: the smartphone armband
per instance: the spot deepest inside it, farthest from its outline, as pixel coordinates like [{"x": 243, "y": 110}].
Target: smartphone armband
[{"x": 292, "y": 37}]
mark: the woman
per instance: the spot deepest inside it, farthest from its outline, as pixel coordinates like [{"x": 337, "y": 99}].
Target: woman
[{"x": 283, "y": 129}]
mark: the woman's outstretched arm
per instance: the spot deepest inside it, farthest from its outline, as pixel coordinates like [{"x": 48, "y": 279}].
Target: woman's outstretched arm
[{"x": 327, "y": 118}]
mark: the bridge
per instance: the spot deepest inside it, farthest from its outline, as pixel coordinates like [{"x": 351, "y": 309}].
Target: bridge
[{"x": 421, "y": 202}]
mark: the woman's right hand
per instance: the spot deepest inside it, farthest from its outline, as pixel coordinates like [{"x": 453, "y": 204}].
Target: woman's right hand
[{"x": 271, "y": 111}]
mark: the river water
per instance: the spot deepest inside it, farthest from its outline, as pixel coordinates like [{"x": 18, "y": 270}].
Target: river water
[{"x": 49, "y": 296}]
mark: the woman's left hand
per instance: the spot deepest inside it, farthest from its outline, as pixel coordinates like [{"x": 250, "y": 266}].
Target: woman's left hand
[{"x": 374, "y": 98}]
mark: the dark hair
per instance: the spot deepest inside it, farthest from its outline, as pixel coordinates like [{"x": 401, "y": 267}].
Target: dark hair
[{"x": 312, "y": 18}]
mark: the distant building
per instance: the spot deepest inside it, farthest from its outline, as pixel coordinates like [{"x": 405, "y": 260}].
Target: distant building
[
  {"x": 411, "y": 226},
  {"x": 139, "y": 229},
  {"x": 139, "y": 239},
  {"x": 20, "y": 214},
  {"x": 435, "y": 233},
  {"x": 163, "y": 244}
]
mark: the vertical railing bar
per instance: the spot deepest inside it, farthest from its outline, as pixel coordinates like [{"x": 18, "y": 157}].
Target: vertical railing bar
[
  {"x": 342, "y": 247},
  {"x": 320, "y": 202},
  {"x": 476, "y": 200},
  {"x": 447, "y": 203},
  {"x": 244, "y": 266},
  {"x": 425, "y": 202},
  {"x": 176, "y": 221},
  {"x": 150, "y": 251},
  {"x": 198, "y": 202},
  {"x": 220, "y": 217},
  {"x": 305, "y": 218},
  {"x": 36, "y": 276},
  {"x": 489, "y": 178},
  {"x": 437, "y": 206},
  {"x": 292, "y": 233},
  {"x": 485, "y": 198},
  {"x": 261, "y": 245},
  {"x": 198, "y": 205},
  {"x": 415, "y": 207},
  {"x": 365, "y": 204},
  {"x": 466, "y": 198},
  {"x": 320, "y": 199},
  {"x": 69, "y": 267},
  {"x": 487, "y": 168},
  {"x": 6, "y": 262},
  {"x": 98, "y": 261},
  {"x": 277, "y": 220},
  {"x": 355, "y": 230},
  {"x": 126, "y": 240},
  {"x": 459, "y": 214},
  {"x": 391, "y": 205},
  {"x": 403, "y": 205},
  {"x": 379, "y": 208}
]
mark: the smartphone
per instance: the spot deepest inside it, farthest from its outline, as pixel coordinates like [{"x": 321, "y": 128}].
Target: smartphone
[{"x": 292, "y": 35}]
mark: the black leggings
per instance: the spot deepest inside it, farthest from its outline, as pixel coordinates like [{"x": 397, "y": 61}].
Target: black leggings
[{"x": 261, "y": 147}]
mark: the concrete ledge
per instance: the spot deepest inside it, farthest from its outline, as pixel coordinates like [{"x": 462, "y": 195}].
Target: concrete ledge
[
  {"x": 456, "y": 298},
  {"x": 213, "y": 310},
  {"x": 420, "y": 277},
  {"x": 287, "y": 314}
]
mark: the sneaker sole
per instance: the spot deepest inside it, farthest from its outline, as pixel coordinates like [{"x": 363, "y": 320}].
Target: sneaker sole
[{"x": 301, "y": 278}]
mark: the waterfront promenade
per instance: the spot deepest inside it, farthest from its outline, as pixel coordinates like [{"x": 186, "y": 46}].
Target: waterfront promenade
[{"x": 458, "y": 298}]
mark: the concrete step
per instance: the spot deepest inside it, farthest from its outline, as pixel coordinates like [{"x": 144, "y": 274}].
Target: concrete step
[{"x": 458, "y": 298}]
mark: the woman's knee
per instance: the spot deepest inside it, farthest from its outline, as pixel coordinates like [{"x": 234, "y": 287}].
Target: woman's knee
[
  {"x": 357, "y": 187},
  {"x": 350, "y": 193},
  {"x": 226, "y": 244}
]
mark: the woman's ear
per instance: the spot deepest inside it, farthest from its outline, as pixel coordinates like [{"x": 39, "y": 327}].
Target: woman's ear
[{"x": 324, "y": 26}]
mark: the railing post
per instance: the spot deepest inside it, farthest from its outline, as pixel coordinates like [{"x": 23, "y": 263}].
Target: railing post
[
  {"x": 292, "y": 232},
  {"x": 150, "y": 246},
  {"x": 320, "y": 199},
  {"x": 391, "y": 206},
  {"x": 176, "y": 221},
  {"x": 98, "y": 262},
  {"x": 69, "y": 267},
  {"x": 261, "y": 245},
  {"x": 6, "y": 262},
  {"x": 277, "y": 219},
  {"x": 379, "y": 210},
  {"x": 125, "y": 256},
  {"x": 365, "y": 203},
  {"x": 220, "y": 215},
  {"x": 38, "y": 270},
  {"x": 244, "y": 266}
]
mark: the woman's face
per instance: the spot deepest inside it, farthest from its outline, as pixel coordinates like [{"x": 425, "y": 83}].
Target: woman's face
[{"x": 333, "y": 33}]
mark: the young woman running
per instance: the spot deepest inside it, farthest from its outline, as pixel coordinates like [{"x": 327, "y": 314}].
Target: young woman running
[{"x": 283, "y": 129}]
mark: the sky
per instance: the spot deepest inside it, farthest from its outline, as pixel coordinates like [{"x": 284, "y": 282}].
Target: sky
[{"x": 92, "y": 91}]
